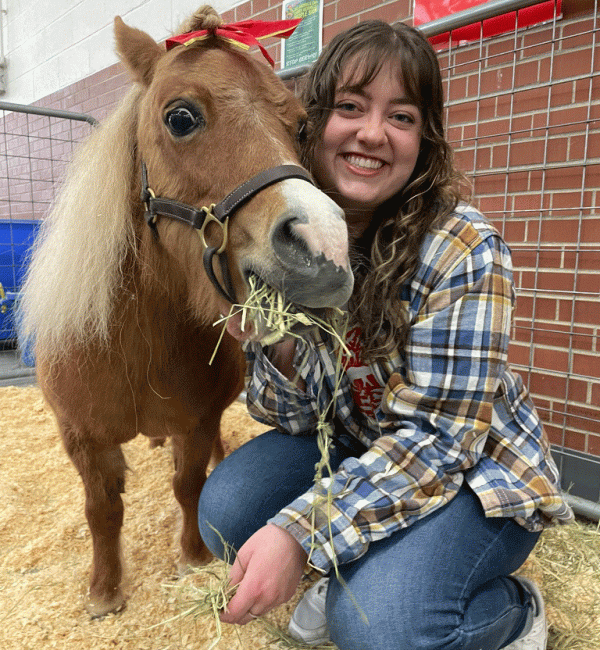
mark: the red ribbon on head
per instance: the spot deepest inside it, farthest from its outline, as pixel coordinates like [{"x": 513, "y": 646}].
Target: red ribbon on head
[{"x": 243, "y": 34}]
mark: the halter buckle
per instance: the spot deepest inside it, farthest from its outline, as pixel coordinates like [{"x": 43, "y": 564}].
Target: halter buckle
[{"x": 148, "y": 194}]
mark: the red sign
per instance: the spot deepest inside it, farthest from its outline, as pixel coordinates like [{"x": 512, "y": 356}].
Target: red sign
[{"x": 429, "y": 10}]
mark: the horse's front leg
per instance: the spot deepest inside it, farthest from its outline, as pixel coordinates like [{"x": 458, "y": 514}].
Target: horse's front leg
[
  {"x": 217, "y": 453},
  {"x": 191, "y": 452},
  {"x": 102, "y": 470}
]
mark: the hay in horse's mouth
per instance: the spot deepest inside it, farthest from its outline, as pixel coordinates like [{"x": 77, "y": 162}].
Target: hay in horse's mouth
[{"x": 273, "y": 317}]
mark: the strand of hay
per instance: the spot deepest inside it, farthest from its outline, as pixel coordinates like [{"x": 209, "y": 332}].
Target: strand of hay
[
  {"x": 325, "y": 500},
  {"x": 208, "y": 598},
  {"x": 206, "y": 593},
  {"x": 267, "y": 306},
  {"x": 268, "y": 309}
]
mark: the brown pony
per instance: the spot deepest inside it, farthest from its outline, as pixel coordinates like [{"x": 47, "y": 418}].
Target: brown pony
[{"x": 121, "y": 307}]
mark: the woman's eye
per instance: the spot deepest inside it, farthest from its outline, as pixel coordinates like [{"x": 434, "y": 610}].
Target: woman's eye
[
  {"x": 346, "y": 107},
  {"x": 403, "y": 118},
  {"x": 182, "y": 120},
  {"x": 348, "y": 110}
]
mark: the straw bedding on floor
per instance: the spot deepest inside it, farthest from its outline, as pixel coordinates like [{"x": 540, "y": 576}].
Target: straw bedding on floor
[{"x": 45, "y": 552}]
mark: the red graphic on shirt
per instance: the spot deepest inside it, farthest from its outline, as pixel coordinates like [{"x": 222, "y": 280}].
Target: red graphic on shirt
[{"x": 366, "y": 390}]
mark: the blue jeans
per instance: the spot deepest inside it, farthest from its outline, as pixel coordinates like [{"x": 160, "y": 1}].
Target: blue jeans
[{"x": 441, "y": 583}]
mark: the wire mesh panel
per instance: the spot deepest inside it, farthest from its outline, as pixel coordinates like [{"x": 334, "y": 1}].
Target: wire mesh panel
[
  {"x": 523, "y": 112},
  {"x": 34, "y": 150}
]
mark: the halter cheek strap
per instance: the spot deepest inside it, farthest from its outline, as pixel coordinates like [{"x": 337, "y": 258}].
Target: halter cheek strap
[{"x": 218, "y": 213}]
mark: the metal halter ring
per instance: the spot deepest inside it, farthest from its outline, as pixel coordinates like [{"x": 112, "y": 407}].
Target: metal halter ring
[{"x": 209, "y": 217}]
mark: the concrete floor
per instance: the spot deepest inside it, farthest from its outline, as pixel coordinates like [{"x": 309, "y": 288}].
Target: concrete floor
[{"x": 12, "y": 370}]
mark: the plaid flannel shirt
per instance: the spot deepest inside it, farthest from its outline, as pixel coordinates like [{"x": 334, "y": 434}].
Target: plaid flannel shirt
[{"x": 445, "y": 410}]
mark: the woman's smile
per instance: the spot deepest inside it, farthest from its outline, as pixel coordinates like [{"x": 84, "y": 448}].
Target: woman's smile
[{"x": 362, "y": 162}]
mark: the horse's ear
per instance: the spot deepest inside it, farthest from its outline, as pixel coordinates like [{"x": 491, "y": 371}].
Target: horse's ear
[{"x": 138, "y": 51}]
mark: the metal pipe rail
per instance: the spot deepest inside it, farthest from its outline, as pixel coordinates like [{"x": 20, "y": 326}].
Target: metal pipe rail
[
  {"x": 476, "y": 14},
  {"x": 487, "y": 10},
  {"x": 48, "y": 112}
]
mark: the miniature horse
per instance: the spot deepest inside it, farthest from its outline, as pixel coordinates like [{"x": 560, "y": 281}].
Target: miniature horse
[{"x": 122, "y": 294}]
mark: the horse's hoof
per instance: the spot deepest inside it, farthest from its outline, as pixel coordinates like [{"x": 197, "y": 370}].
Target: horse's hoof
[
  {"x": 187, "y": 566},
  {"x": 98, "y": 607}
]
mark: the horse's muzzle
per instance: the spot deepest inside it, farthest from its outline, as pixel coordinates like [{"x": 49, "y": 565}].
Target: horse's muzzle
[{"x": 308, "y": 260}]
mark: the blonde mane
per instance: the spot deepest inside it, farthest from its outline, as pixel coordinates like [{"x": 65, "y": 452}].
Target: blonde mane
[{"x": 77, "y": 261}]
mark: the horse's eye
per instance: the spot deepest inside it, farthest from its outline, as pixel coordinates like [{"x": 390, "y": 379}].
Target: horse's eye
[{"x": 182, "y": 120}]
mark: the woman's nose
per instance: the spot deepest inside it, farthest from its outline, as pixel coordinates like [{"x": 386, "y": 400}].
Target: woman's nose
[{"x": 372, "y": 130}]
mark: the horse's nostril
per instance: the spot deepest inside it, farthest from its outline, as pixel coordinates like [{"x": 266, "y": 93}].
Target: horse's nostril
[{"x": 289, "y": 246}]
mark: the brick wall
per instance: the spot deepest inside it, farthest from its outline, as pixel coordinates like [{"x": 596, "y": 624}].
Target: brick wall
[
  {"x": 523, "y": 115},
  {"x": 524, "y": 119}
]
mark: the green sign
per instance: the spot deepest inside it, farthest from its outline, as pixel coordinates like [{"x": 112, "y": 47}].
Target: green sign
[{"x": 304, "y": 45}]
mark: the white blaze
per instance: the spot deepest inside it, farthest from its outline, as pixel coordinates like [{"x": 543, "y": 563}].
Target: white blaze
[{"x": 325, "y": 231}]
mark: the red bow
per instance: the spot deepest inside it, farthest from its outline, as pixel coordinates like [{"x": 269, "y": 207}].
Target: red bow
[{"x": 242, "y": 34}]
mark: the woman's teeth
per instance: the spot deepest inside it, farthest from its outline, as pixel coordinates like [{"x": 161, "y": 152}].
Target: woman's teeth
[{"x": 365, "y": 163}]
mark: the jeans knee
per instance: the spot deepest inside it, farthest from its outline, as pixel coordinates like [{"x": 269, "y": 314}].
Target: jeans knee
[
  {"x": 225, "y": 517},
  {"x": 384, "y": 637},
  {"x": 211, "y": 522},
  {"x": 382, "y": 623}
]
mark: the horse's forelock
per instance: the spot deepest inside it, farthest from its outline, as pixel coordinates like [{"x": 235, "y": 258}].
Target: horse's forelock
[
  {"x": 228, "y": 73},
  {"x": 204, "y": 17}
]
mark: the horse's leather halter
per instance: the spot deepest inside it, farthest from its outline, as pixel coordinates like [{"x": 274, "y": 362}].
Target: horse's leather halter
[{"x": 219, "y": 214}]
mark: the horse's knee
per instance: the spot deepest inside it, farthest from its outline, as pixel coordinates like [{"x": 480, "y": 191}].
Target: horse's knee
[
  {"x": 103, "y": 476},
  {"x": 104, "y": 515}
]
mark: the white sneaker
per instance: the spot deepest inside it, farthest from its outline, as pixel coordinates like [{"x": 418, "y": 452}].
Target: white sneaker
[
  {"x": 308, "y": 623},
  {"x": 537, "y": 636}
]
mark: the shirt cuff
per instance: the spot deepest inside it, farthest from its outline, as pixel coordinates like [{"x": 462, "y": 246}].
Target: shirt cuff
[{"x": 326, "y": 549}]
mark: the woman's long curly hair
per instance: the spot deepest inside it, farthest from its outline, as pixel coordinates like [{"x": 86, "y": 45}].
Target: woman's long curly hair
[{"x": 387, "y": 255}]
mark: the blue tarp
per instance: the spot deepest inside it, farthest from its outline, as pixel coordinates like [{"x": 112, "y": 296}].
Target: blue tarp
[{"x": 16, "y": 238}]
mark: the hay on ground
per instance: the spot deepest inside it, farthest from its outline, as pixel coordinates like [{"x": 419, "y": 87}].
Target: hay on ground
[{"x": 45, "y": 552}]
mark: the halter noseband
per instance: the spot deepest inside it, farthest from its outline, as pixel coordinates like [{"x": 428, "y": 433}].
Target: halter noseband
[{"x": 218, "y": 213}]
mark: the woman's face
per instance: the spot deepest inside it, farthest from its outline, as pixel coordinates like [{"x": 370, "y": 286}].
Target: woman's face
[{"x": 369, "y": 146}]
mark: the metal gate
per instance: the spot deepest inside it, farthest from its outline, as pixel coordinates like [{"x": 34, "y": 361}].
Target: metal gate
[{"x": 35, "y": 146}]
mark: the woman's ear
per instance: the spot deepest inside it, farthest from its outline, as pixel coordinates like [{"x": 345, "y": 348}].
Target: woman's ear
[{"x": 138, "y": 51}]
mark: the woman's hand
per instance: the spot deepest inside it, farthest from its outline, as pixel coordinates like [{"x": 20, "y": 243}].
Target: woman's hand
[{"x": 267, "y": 569}]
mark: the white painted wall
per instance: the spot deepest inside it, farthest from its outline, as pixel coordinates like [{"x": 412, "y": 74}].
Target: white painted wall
[{"x": 50, "y": 44}]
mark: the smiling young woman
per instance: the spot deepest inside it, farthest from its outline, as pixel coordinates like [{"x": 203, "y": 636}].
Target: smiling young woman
[
  {"x": 442, "y": 476},
  {"x": 370, "y": 144}
]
